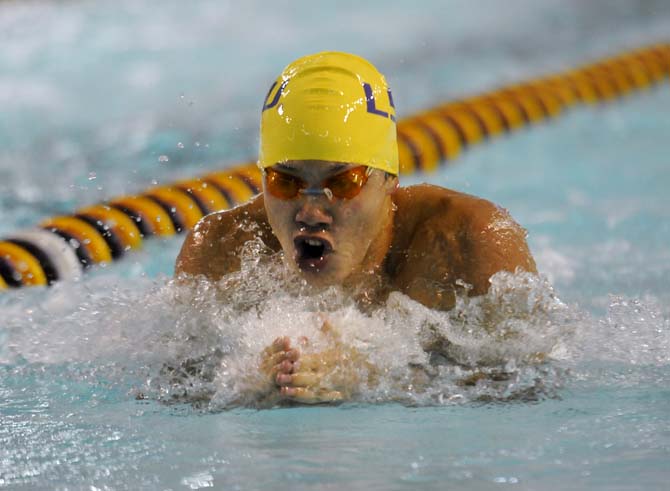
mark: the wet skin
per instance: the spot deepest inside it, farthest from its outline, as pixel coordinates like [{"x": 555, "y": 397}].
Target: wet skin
[
  {"x": 424, "y": 241},
  {"x": 326, "y": 376}
]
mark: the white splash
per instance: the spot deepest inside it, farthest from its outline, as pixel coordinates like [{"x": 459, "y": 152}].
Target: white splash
[{"x": 201, "y": 343}]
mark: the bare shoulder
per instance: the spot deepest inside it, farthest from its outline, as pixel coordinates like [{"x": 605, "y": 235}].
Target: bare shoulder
[
  {"x": 474, "y": 215},
  {"x": 213, "y": 247},
  {"x": 445, "y": 236},
  {"x": 440, "y": 209},
  {"x": 425, "y": 202}
]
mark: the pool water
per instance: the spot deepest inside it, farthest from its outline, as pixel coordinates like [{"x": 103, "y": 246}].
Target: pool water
[{"x": 104, "y": 98}]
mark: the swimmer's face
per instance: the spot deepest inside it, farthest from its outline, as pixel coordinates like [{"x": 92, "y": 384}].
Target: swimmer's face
[{"x": 325, "y": 237}]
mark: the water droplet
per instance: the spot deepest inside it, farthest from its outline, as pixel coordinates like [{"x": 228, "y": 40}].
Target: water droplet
[
  {"x": 163, "y": 158},
  {"x": 180, "y": 145}
]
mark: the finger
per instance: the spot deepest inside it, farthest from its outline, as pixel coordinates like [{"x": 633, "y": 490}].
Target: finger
[
  {"x": 293, "y": 354},
  {"x": 305, "y": 379},
  {"x": 307, "y": 396},
  {"x": 277, "y": 358},
  {"x": 310, "y": 362},
  {"x": 280, "y": 344},
  {"x": 285, "y": 367},
  {"x": 298, "y": 379},
  {"x": 270, "y": 360}
]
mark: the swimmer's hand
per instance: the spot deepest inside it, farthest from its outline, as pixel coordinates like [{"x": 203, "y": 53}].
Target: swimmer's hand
[
  {"x": 311, "y": 378},
  {"x": 278, "y": 358}
]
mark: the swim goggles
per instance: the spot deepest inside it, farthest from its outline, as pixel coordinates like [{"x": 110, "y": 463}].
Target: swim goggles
[{"x": 344, "y": 185}]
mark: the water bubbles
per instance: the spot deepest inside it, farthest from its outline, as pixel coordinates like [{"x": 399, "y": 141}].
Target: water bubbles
[
  {"x": 506, "y": 480},
  {"x": 198, "y": 481},
  {"x": 163, "y": 159},
  {"x": 634, "y": 331},
  {"x": 180, "y": 145},
  {"x": 222, "y": 328},
  {"x": 91, "y": 176},
  {"x": 201, "y": 342}
]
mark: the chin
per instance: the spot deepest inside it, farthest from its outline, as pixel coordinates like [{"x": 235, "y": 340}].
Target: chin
[
  {"x": 320, "y": 274},
  {"x": 319, "y": 279}
]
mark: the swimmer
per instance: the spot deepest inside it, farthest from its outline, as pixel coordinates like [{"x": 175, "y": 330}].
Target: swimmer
[{"x": 332, "y": 206}]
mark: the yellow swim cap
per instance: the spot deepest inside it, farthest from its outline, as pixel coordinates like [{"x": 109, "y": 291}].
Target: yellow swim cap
[{"x": 330, "y": 106}]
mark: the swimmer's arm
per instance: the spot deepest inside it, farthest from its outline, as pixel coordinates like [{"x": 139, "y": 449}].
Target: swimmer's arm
[
  {"x": 469, "y": 241},
  {"x": 204, "y": 250},
  {"x": 495, "y": 242},
  {"x": 213, "y": 247}
]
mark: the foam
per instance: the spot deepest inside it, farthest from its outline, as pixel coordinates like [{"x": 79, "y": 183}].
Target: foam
[{"x": 200, "y": 344}]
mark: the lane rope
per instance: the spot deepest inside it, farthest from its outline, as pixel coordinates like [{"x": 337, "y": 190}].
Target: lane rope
[{"x": 63, "y": 247}]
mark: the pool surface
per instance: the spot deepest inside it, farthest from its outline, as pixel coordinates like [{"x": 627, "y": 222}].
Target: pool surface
[{"x": 104, "y": 98}]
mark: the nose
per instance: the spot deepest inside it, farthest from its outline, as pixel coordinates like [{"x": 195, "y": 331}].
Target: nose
[{"x": 312, "y": 216}]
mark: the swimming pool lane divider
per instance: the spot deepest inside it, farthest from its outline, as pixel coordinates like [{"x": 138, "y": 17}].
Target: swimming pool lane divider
[{"x": 63, "y": 247}]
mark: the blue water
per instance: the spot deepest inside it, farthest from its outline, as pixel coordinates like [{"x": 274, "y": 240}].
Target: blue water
[{"x": 93, "y": 93}]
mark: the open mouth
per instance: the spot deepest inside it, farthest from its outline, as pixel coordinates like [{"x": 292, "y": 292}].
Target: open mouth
[{"x": 312, "y": 252}]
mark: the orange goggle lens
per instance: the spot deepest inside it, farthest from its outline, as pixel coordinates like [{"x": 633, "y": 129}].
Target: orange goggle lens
[{"x": 345, "y": 185}]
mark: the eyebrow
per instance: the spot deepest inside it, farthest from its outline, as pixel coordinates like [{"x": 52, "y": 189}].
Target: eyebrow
[{"x": 292, "y": 170}]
